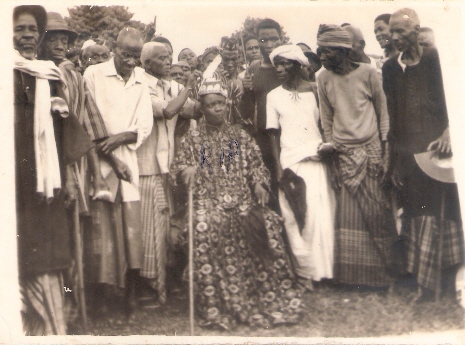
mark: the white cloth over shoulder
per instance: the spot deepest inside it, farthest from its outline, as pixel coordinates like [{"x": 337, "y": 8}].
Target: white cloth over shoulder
[{"x": 48, "y": 176}]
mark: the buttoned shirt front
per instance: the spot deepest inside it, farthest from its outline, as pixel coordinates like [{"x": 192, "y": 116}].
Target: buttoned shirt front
[{"x": 125, "y": 107}]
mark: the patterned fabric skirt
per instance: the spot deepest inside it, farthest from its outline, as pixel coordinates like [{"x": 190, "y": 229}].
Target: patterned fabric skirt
[
  {"x": 422, "y": 235},
  {"x": 155, "y": 216},
  {"x": 113, "y": 243},
  {"x": 231, "y": 283},
  {"x": 365, "y": 235},
  {"x": 313, "y": 249},
  {"x": 42, "y": 310}
]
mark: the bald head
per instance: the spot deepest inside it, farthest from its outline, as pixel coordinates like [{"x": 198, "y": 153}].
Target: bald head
[
  {"x": 404, "y": 26},
  {"x": 129, "y": 35},
  {"x": 358, "y": 44},
  {"x": 355, "y": 34},
  {"x": 407, "y": 15},
  {"x": 127, "y": 51}
]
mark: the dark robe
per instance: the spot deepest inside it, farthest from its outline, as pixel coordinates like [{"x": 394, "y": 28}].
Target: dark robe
[
  {"x": 418, "y": 116},
  {"x": 42, "y": 227}
]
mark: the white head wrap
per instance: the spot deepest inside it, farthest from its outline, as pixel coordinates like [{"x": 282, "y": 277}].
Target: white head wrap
[
  {"x": 290, "y": 52},
  {"x": 88, "y": 43}
]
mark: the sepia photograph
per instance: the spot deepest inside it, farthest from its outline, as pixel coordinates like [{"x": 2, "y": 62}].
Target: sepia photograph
[{"x": 209, "y": 172}]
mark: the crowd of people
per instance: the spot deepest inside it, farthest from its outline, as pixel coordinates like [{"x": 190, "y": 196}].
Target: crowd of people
[{"x": 301, "y": 165}]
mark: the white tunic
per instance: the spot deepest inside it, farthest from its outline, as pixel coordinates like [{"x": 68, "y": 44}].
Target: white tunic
[{"x": 125, "y": 107}]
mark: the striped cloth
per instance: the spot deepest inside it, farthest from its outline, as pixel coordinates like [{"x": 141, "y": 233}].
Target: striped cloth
[
  {"x": 422, "y": 235},
  {"x": 330, "y": 35},
  {"x": 113, "y": 242},
  {"x": 155, "y": 216},
  {"x": 42, "y": 309},
  {"x": 83, "y": 105},
  {"x": 365, "y": 231}
]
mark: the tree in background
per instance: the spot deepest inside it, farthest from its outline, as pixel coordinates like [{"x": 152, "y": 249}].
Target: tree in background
[
  {"x": 248, "y": 28},
  {"x": 102, "y": 23}
]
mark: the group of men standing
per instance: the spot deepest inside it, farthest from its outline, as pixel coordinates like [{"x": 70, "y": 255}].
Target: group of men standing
[{"x": 113, "y": 133}]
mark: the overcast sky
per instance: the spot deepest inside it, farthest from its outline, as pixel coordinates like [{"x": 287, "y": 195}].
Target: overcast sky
[{"x": 199, "y": 24}]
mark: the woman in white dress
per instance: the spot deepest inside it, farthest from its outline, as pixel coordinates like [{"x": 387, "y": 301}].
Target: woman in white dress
[{"x": 292, "y": 109}]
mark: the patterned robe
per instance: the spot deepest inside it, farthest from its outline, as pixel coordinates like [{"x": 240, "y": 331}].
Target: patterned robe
[{"x": 232, "y": 283}]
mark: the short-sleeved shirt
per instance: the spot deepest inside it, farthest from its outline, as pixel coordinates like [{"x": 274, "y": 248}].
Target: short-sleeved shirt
[{"x": 297, "y": 117}]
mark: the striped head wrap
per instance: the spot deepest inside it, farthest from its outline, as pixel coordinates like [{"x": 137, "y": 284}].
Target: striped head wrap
[{"x": 331, "y": 35}]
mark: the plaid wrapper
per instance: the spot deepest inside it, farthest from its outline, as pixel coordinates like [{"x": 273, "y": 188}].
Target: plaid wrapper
[
  {"x": 363, "y": 242},
  {"x": 356, "y": 162},
  {"x": 422, "y": 234}
]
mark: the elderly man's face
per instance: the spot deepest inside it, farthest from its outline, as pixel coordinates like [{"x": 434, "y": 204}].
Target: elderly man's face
[
  {"x": 177, "y": 74},
  {"x": 331, "y": 57},
  {"x": 190, "y": 57},
  {"x": 158, "y": 64},
  {"x": 268, "y": 39},
  {"x": 252, "y": 50},
  {"x": 404, "y": 33},
  {"x": 127, "y": 55},
  {"x": 54, "y": 46},
  {"x": 95, "y": 54},
  {"x": 382, "y": 34},
  {"x": 26, "y": 35},
  {"x": 214, "y": 108}
]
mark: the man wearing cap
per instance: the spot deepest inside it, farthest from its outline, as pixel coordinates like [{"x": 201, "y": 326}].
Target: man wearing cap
[
  {"x": 53, "y": 47},
  {"x": 48, "y": 138},
  {"x": 357, "y": 54},
  {"x": 292, "y": 108},
  {"x": 419, "y": 122},
  {"x": 355, "y": 122},
  {"x": 121, "y": 93},
  {"x": 169, "y": 102},
  {"x": 240, "y": 258},
  {"x": 230, "y": 62}
]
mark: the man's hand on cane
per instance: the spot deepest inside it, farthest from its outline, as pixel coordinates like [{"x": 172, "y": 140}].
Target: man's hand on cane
[{"x": 188, "y": 175}]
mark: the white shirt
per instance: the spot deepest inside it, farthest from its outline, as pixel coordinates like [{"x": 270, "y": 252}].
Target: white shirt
[
  {"x": 297, "y": 116},
  {"x": 125, "y": 107},
  {"x": 157, "y": 153}
]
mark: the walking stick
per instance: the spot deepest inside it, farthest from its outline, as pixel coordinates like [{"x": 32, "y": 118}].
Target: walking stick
[
  {"x": 441, "y": 233},
  {"x": 191, "y": 258},
  {"x": 78, "y": 255}
]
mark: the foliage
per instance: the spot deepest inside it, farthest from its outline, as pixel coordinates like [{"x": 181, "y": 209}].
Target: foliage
[
  {"x": 102, "y": 23},
  {"x": 248, "y": 28}
]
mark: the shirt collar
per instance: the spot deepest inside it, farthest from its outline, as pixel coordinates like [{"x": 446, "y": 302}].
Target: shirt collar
[
  {"x": 399, "y": 60},
  {"x": 110, "y": 70},
  {"x": 402, "y": 65},
  {"x": 157, "y": 81}
]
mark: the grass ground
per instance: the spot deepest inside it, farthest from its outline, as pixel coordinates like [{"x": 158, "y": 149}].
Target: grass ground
[{"x": 332, "y": 312}]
